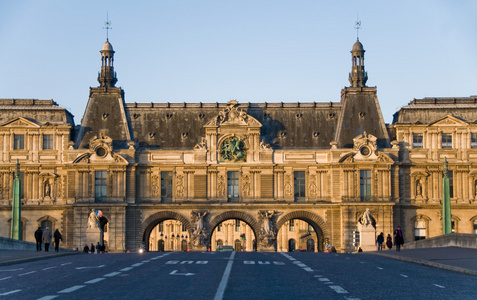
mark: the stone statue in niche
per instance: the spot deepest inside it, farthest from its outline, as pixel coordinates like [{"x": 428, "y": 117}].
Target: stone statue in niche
[
  {"x": 47, "y": 190},
  {"x": 418, "y": 188}
]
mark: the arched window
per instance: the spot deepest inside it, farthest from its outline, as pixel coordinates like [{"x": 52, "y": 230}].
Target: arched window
[{"x": 420, "y": 230}]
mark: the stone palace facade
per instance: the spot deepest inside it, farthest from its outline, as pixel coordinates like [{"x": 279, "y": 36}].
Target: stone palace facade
[{"x": 256, "y": 176}]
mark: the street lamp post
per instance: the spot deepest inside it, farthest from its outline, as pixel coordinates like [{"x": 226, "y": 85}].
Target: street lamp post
[{"x": 446, "y": 210}]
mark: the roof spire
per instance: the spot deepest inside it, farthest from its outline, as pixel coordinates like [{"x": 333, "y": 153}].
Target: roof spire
[
  {"x": 357, "y": 26},
  {"x": 108, "y": 26}
]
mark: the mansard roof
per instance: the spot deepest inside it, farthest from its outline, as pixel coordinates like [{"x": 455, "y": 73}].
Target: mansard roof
[
  {"x": 283, "y": 125},
  {"x": 41, "y": 111},
  {"x": 428, "y": 110}
]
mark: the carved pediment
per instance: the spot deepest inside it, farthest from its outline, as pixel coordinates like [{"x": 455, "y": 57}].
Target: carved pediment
[
  {"x": 233, "y": 115},
  {"x": 21, "y": 122},
  {"x": 449, "y": 121}
]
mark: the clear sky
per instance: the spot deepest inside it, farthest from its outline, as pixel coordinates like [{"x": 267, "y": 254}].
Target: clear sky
[{"x": 248, "y": 50}]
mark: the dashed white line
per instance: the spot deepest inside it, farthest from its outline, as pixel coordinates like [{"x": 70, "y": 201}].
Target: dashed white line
[
  {"x": 338, "y": 289},
  {"x": 49, "y": 297},
  {"x": 112, "y": 274},
  {"x": 440, "y": 286},
  {"x": 72, "y": 289},
  {"x": 27, "y": 273},
  {"x": 137, "y": 265},
  {"x": 11, "y": 292},
  {"x": 95, "y": 280},
  {"x": 68, "y": 263},
  {"x": 308, "y": 269},
  {"x": 323, "y": 279},
  {"x": 380, "y": 268},
  {"x": 5, "y": 278},
  {"x": 403, "y": 275},
  {"x": 126, "y": 269},
  {"x": 11, "y": 270}
]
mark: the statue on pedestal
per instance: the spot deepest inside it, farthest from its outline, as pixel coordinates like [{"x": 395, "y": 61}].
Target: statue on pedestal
[
  {"x": 367, "y": 219},
  {"x": 93, "y": 220}
]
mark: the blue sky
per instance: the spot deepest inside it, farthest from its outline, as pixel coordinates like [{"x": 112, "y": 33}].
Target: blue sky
[{"x": 251, "y": 51}]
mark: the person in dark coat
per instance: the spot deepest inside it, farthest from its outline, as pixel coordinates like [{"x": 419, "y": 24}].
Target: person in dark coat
[
  {"x": 380, "y": 241},
  {"x": 57, "y": 236},
  {"x": 389, "y": 241},
  {"x": 98, "y": 248},
  {"x": 38, "y": 238},
  {"x": 398, "y": 238},
  {"x": 46, "y": 238},
  {"x": 86, "y": 249},
  {"x": 92, "y": 248}
]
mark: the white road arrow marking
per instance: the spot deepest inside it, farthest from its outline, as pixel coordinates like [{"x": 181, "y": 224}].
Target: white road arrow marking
[
  {"x": 97, "y": 267},
  {"x": 183, "y": 274}
]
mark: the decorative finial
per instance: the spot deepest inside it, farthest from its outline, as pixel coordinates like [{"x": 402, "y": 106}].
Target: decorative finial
[
  {"x": 357, "y": 27},
  {"x": 108, "y": 26}
]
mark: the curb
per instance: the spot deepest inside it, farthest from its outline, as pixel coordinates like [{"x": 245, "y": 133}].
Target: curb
[
  {"x": 428, "y": 263},
  {"x": 29, "y": 259}
]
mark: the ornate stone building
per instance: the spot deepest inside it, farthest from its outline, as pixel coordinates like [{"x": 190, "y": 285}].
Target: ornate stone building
[{"x": 211, "y": 173}]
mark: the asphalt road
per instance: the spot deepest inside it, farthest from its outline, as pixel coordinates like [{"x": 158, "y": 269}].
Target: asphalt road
[{"x": 230, "y": 275}]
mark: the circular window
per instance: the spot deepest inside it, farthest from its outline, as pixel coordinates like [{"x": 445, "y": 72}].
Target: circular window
[
  {"x": 100, "y": 151},
  {"x": 365, "y": 151}
]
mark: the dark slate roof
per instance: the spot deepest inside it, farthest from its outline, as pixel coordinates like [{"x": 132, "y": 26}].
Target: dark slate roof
[
  {"x": 428, "y": 110},
  {"x": 284, "y": 125},
  {"x": 42, "y": 111}
]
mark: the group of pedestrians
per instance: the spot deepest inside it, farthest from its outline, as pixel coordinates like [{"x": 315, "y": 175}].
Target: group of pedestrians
[
  {"x": 398, "y": 240},
  {"x": 45, "y": 236},
  {"x": 99, "y": 248}
]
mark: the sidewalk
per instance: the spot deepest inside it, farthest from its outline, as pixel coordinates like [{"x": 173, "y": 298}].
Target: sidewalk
[
  {"x": 463, "y": 260},
  {"x": 10, "y": 257}
]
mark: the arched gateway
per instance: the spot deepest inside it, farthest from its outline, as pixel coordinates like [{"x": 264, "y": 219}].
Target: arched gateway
[{"x": 265, "y": 229}]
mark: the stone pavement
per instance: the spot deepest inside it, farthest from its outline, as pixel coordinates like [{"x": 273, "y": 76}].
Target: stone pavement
[
  {"x": 463, "y": 260},
  {"x": 10, "y": 257}
]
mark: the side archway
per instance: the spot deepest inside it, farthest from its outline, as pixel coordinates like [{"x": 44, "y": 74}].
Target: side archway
[
  {"x": 314, "y": 220},
  {"x": 151, "y": 222}
]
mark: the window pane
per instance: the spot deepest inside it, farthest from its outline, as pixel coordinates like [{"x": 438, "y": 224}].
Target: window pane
[
  {"x": 100, "y": 182},
  {"x": 47, "y": 141},
  {"x": 18, "y": 141},
  {"x": 233, "y": 185},
  {"x": 446, "y": 140},
  {"x": 473, "y": 140},
  {"x": 166, "y": 185},
  {"x": 365, "y": 184},
  {"x": 299, "y": 182},
  {"x": 417, "y": 140}
]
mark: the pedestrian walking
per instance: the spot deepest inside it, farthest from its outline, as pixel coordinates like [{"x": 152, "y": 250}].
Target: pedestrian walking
[
  {"x": 389, "y": 242},
  {"x": 38, "y": 238},
  {"x": 86, "y": 249},
  {"x": 92, "y": 248},
  {"x": 380, "y": 241},
  {"x": 98, "y": 248},
  {"x": 398, "y": 238},
  {"x": 46, "y": 238},
  {"x": 57, "y": 236}
]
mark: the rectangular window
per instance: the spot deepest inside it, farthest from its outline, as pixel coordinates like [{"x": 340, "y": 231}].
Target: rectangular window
[
  {"x": 184, "y": 228},
  {"x": 237, "y": 225},
  {"x": 291, "y": 226},
  {"x": 166, "y": 186},
  {"x": 419, "y": 230},
  {"x": 18, "y": 142},
  {"x": 446, "y": 140},
  {"x": 417, "y": 140},
  {"x": 473, "y": 140},
  {"x": 365, "y": 184},
  {"x": 161, "y": 226},
  {"x": 233, "y": 185},
  {"x": 299, "y": 182},
  {"x": 100, "y": 184},
  {"x": 47, "y": 142}
]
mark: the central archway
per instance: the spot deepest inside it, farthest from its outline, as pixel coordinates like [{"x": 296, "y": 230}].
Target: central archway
[{"x": 235, "y": 215}]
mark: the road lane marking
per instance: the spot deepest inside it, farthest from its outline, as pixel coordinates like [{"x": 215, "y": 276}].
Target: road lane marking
[
  {"x": 440, "y": 286},
  {"x": 48, "y": 268},
  {"x": 126, "y": 269},
  {"x": 137, "y": 265},
  {"x": 95, "y": 280},
  {"x": 351, "y": 298},
  {"x": 318, "y": 276},
  {"x": 202, "y": 262},
  {"x": 380, "y": 268},
  {"x": 27, "y": 273},
  {"x": 112, "y": 274},
  {"x": 183, "y": 274},
  {"x": 95, "y": 267},
  {"x": 5, "y": 278},
  {"x": 11, "y": 270},
  {"x": 403, "y": 275},
  {"x": 338, "y": 289},
  {"x": 329, "y": 282},
  {"x": 11, "y": 292},
  {"x": 171, "y": 262},
  {"x": 72, "y": 289},
  {"x": 68, "y": 263},
  {"x": 263, "y": 262},
  {"x": 323, "y": 279},
  {"x": 48, "y": 297},
  {"x": 248, "y": 262},
  {"x": 279, "y": 263},
  {"x": 146, "y": 261},
  {"x": 187, "y": 262},
  {"x": 219, "y": 295},
  {"x": 308, "y": 269}
]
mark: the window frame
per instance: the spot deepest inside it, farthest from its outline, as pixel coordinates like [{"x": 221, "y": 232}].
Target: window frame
[
  {"x": 415, "y": 140},
  {"x": 166, "y": 186},
  {"x": 446, "y": 140},
  {"x": 100, "y": 184},
  {"x": 365, "y": 184},
  {"x": 233, "y": 185},
  {"x": 299, "y": 185},
  {"x": 48, "y": 141},
  {"x": 18, "y": 142}
]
